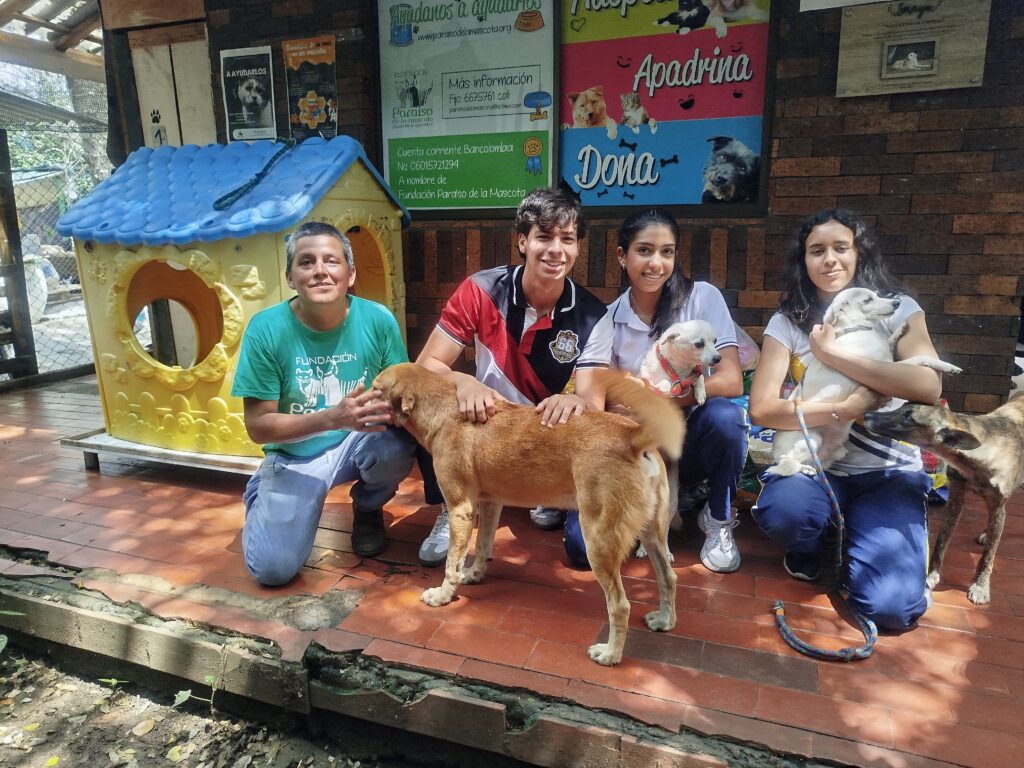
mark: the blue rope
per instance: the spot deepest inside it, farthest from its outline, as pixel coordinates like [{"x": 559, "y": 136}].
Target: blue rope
[{"x": 867, "y": 626}]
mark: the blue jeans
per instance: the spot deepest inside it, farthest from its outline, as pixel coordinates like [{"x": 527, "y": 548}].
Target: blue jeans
[
  {"x": 886, "y": 535},
  {"x": 285, "y": 497},
  {"x": 715, "y": 448}
]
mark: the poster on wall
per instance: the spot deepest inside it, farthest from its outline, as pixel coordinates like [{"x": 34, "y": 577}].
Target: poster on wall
[
  {"x": 662, "y": 103},
  {"x": 247, "y": 80},
  {"x": 466, "y": 100},
  {"x": 902, "y": 48},
  {"x": 312, "y": 87}
]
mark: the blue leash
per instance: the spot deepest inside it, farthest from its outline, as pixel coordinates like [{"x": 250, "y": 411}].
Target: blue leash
[{"x": 867, "y": 626}]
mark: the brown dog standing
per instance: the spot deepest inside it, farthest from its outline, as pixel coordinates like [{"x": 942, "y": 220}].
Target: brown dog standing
[
  {"x": 985, "y": 455},
  {"x": 604, "y": 465}
]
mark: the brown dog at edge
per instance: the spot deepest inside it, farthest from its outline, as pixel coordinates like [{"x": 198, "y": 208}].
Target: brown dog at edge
[
  {"x": 985, "y": 454},
  {"x": 605, "y": 465}
]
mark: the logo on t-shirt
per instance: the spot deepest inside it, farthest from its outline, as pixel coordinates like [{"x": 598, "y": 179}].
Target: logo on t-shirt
[
  {"x": 565, "y": 348},
  {"x": 321, "y": 388}
]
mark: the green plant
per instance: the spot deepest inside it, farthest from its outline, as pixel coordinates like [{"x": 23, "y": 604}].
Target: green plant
[{"x": 182, "y": 696}]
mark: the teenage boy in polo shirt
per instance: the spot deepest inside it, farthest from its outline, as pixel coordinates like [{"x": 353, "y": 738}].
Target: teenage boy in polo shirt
[{"x": 533, "y": 330}]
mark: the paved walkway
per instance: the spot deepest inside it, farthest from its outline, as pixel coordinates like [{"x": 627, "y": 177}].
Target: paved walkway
[{"x": 166, "y": 539}]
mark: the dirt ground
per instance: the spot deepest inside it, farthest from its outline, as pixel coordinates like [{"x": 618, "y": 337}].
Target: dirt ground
[{"x": 54, "y": 718}]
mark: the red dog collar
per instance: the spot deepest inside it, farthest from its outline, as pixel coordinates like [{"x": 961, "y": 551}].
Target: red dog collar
[{"x": 679, "y": 385}]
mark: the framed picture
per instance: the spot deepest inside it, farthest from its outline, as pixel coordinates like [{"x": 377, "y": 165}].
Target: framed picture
[{"x": 910, "y": 58}]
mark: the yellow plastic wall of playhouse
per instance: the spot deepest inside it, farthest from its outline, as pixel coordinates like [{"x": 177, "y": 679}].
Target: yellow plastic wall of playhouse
[{"x": 219, "y": 285}]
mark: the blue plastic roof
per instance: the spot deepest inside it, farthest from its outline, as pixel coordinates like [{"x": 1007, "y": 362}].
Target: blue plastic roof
[{"x": 166, "y": 195}]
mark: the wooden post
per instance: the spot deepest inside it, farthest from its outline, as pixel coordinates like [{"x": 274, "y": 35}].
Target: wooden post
[{"x": 16, "y": 317}]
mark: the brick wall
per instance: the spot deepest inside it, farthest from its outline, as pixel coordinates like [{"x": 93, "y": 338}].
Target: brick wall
[{"x": 939, "y": 175}]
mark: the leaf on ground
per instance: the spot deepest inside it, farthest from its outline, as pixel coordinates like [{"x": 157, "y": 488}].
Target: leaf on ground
[
  {"x": 242, "y": 762},
  {"x": 51, "y": 762},
  {"x": 31, "y": 726},
  {"x": 182, "y": 697},
  {"x": 174, "y": 754},
  {"x": 143, "y": 728},
  {"x": 77, "y": 719},
  {"x": 3, "y": 642}
]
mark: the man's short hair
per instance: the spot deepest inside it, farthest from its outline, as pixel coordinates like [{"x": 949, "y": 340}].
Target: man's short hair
[
  {"x": 549, "y": 208},
  {"x": 313, "y": 229}
]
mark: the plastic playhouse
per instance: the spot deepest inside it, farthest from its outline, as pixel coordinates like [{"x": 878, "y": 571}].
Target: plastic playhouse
[{"x": 203, "y": 228}]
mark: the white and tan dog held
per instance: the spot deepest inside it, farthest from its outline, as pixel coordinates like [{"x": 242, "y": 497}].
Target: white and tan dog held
[
  {"x": 605, "y": 465},
  {"x": 679, "y": 359},
  {"x": 857, "y": 315}
]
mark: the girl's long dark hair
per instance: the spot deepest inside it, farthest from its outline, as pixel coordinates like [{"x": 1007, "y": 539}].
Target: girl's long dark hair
[
  {"x": 800, "y": 301},
  {"x": 677, "y": 288}
]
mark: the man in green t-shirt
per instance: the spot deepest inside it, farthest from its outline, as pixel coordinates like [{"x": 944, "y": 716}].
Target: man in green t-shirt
[{"x": 302, "y": 373}]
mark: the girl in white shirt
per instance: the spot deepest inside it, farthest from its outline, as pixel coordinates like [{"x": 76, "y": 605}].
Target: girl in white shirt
[
  {"x": 880, "y": 484},
  {"x": 658, "y": 295}
]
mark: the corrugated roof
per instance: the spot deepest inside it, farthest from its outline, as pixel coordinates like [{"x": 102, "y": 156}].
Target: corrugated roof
[
  {"x": 20, "y": 113},
  {"x": 167, "y": 195}
]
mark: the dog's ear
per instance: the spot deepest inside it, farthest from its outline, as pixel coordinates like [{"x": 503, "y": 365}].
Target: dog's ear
[
  {"x": 957, "y": 438},
  {"x": 719, "y": 142},
  {"x": 572, "y": 97},
  {"x": 598, "y": 89}
]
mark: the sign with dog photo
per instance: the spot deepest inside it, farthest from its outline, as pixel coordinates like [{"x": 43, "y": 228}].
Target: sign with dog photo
[
  {"x": 466, "y": 101},
  {"x": 662, "y": 103},
  {"x": 247, "y": 80},
  {"x": 312, "y": 87}
]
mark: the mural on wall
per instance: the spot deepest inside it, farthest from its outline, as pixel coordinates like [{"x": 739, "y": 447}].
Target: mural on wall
[
  {"x": 247, "y": 80},
  {"x": 662, "y": 103},
  {"x": 312, "y": 87},
  {"x": 466, "y": 100}
]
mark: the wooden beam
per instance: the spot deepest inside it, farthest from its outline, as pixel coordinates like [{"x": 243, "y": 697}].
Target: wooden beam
[
  {"x": 11, "y": 7},
  {"x": 39, "y": 54},
  {"x": 127, "y": 14},
  {"x": 82, "y": 31}
]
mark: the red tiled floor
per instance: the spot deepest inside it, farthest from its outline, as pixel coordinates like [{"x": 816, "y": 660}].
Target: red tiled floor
[{"x": 950, "y": 691}]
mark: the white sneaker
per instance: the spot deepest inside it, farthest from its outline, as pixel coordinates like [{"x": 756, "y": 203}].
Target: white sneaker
[
  {"x": 719, "y": 553},
  {"x": 546, "y": 518},
  {"x": 434, "y": 549}
]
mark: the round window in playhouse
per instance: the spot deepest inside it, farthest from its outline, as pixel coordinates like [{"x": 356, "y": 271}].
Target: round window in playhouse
[{"x": 176, "y": 318}]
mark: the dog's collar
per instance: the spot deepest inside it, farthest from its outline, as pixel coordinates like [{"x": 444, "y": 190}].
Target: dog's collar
[
  {"x": 853, "y": 329},
  {"x": 679, "y": 384}
]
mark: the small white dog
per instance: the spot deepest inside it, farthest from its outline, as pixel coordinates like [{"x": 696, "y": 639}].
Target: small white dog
[
  {"x": 679, "y": 359},
  {"x": 857, "y": 315}
]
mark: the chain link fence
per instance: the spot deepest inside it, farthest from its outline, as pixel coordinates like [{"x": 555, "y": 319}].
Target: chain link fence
[{"x": 54, "y": 162}]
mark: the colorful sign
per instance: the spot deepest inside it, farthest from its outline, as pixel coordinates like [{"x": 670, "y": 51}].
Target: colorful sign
[
  {"x": 662, "y": 103},
  {"x": 312, "y": 87},
  {"x": 247, "y": 80},
  {"x": 466, "y": 99}
]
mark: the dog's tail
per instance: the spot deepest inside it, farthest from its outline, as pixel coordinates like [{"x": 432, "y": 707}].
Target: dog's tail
[{"x": 661, "y": 424}]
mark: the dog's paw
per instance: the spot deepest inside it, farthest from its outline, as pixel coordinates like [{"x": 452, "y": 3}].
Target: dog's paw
[
  {"x": 613, "y": 130},
  {"x": 640, "y": 552},
  {"x": 474, "y": 574},
  {"x": 654, "y": 126},
  {"x": 978, "y": 593},
  {"x": 438, "y": 596},
  {"x": 603, "y": 654},
  {"x": 787, "y": 466},
  {"x": 659, "y": 621},
  {"x": 932, "y": 580}
]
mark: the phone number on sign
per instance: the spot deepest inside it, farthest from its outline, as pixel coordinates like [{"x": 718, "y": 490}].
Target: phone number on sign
[{"x": 444, "y": 164}]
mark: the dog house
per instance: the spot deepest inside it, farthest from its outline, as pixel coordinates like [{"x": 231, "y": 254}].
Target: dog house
[{"x": 203, "y": 228}]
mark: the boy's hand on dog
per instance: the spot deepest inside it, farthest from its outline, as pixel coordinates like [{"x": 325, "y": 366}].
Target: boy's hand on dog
[
  {"x": 476, "y": 400},
  {"x": 362, "y": 410},
  {"x": 558, "y": 408}
]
